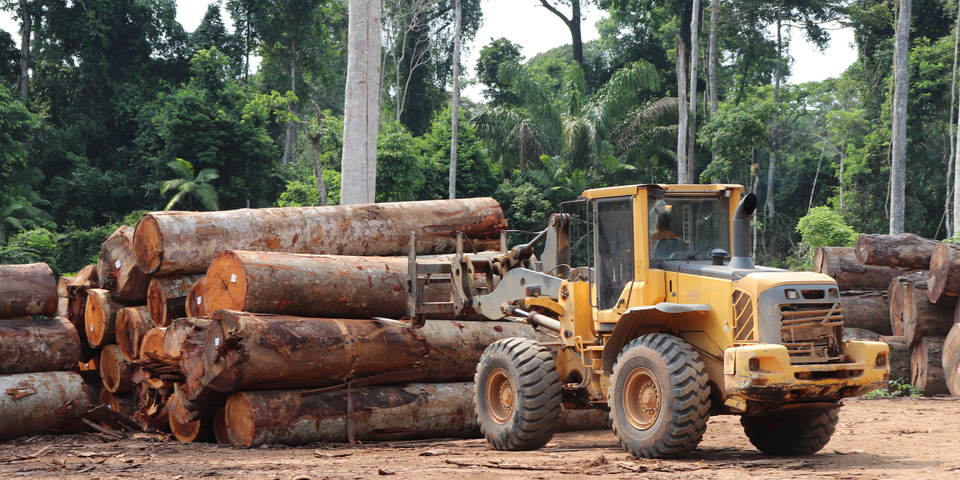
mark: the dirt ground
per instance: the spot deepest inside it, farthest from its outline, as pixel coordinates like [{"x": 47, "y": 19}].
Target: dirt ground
[{"x": 897, "y": 438}]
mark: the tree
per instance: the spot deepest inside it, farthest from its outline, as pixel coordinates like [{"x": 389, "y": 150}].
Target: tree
[
  {"x": 572, "y": 22},
  {"x": 899, "y": 120},
  {"x": 455, "y": 101},
  {"x": 494, "y": 54},
  {"x": 212, "y": 33},
  {"x": 245, "y": 14},
  {"x": 712, "y": 58},
  {"x": 361, "y": 109},
  {"x": 189, "y": 187},
  {"x": 694, "y": 57}
]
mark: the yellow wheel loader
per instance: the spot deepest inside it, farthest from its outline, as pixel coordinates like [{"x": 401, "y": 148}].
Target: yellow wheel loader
[{"x": 664, "y": 321}]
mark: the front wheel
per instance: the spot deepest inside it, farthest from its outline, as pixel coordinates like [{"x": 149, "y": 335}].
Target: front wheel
[
  {"x": 803, "y": 432},
  {"x": 517, "y": 394}
]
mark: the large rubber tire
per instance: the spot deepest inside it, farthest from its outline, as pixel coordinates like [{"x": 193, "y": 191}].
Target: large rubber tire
[
  {"x": 521, "y": 371},
  {"x": 659, "y": 397},
  {"x": 796, "y": 433}
]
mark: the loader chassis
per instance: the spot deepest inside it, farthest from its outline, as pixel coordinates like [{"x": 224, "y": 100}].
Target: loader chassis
[{"x": 662, "y": 316}]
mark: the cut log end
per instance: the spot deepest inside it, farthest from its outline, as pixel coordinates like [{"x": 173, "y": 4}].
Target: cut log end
[
  {"x": 220, "y": 431},
  {"x": 187, "y": 432},
  {"x": 240, "y": 420},
  {"x": 926, "y": 367},
  {"x": 132, "y": 324},
  {"x": 152, "y": 343},
  {"x": 195, "y": 306},
  {"x": 148, "y": 245},
  {"x": 226, "y": 284},
  {"x": 115, "y": 370}
]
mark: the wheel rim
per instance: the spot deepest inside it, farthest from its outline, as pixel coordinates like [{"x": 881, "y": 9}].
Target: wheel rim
[
  {"x": 501, "y": 396},
  {"x": 641, "y": 398}
]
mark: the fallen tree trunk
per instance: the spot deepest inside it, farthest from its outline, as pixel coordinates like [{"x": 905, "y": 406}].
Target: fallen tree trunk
[
  {"x": 100, "y": 317},
  {"x": 27, "y": 289},
  {"x": 198, "y": 428},
  {"x": 42, "y": 345},
  {"x": 841, "y": 264},
  {"x": 895, "y": 294},
  {"x": 903, "y": 250},
  {"x": 117, "y": 268},
  {"x": 194, "y": 305},
  {"x": 116, "y": 370},
  {"x": 186, "y": 242},
  {"x": 922, "y": 318},
  {"x": 945, "y": 274},
  {"x": 84, "y": 279},
  {"x": 926, "y": 366},
  {"x": 311, "y": 285},
  {"x": 167, "y": 297},
  {"x": 132, "y": 324},
  {"x": 245, "y": 352},
  {"x": 177, "y": 333},
  {"x": 951, "y": 360},
  {"x": 33, "y": 403},
  {"x": 866, "y": 310},
  {"x": 899, "y": 359}
]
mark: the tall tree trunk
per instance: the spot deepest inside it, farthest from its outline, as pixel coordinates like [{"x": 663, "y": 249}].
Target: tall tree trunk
[
  {"x": 361, "y": 108},
  {"x": 315, "y": 150},
  {"x": 683, "y": 174},
  {"x": 948, "y": 218},
  {"x": 291, "y": 142},
  {"x": 712, "y": 60},
  {"x": 692, "y": 121},
  {"x": 956, "y": 134},
  {"x": 769, "y": 207},
  {"x": 899, "y": 137},
  {"x": 26, "y": 23},
  {"x": 573, "y": 24},
  {"x": 455, "y": 108}
]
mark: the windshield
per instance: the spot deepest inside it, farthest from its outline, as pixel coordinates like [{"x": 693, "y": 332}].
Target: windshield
[{"x": 688, "y": 228}]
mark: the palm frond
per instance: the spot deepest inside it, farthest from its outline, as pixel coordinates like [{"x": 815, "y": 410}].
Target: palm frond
[
  {"x": 207, "y": 196},
  {"x": 207, "y": 175},
  {"x": 172, "y": 184},
  {"x": 173, "y": 201},
  {"x": 182, "y": 167}
]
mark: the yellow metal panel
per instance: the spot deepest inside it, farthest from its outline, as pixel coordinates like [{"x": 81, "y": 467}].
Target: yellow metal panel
[{"x": 759, "y": 282}]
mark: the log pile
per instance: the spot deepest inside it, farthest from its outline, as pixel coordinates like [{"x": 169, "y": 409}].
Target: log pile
[{"x": 918, "y": 316}]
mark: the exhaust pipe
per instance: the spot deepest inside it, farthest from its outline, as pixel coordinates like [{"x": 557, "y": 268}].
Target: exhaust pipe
[{"x": 741, "y": 232}]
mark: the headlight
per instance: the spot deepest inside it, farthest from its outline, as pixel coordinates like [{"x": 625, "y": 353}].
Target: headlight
[{"x": 792, "y": 294}]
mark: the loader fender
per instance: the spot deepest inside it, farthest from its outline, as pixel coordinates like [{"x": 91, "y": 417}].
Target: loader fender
[{"x": 638, "y": 320}]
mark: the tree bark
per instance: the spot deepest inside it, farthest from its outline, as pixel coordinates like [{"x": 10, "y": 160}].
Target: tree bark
[
  {"x": 182, "y": 243},
  {"x": 895, "y": 295},
  {"x": 186, "y": 431},
  {"x": 899, "y": 134},
  {"x": 167, "y": 297},
  {"x": 117, "y": 268},
  {"x": 841, "y": 264},
  {"x": 100, "y": 317},
  {"x": 28, "y": 345},
  {"x": 956, "y": 146},
  {"x": 944, "y": 285},
  {"x": 290, "y": 143},
  {"x": 27, "y": 289},
  {"x": 573, "y": 24},
  {"x": 26, "y": 24},
  {"x": 926, "y": 365},
  {"x": 867, "y": 310},
  {"x": 116, "y": 370},
  {"x": 904, "y": 250},
  {"x": 951, "y": 360},
  {"x": 132, "y": 324},
  {"x": 713, "y": 58},
  {"x": 361, "y": 109},
  {"x": 37, "y": 402},
  {"x": 683, "y": 167},
  {"x": 176, "y": 334},
  {"x": 455, "y": 101},
  {"x": 692, "y": 93},
  {"x": 922, "y": 318},
  {"x": 86, "y": 278},
  {"x": 769, "y": 205},
  {"x": 899, "y": 357}
]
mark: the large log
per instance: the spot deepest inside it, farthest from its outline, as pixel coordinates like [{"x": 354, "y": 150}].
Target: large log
[
  {"x": 117, "y": 268},
  {"x": 895, "y": 293},
  {"x": 899, "y": 359},
  {"x": 921, "y": 317},
  {"x": 100, "y": 317},
  {"x": 152, "y": 406},
  {"x": 866, "y": 310},
  {"x": 951, "y": 360},
  {"x": 194, "y": 301},
  {"x": 247, "y": 352},
  {"x": 187, "y": 426},
  {"x": 186, "y": 242},
  {"x": 167, "y": 297},
  {"x": 926, "y": 366},
  {"x": 903, "y": 250},
  {"x": 84, "y": 279},
  {"x": 152, "y": 343},
  {"x": 945, "y": 274},
  {"x": 116, "y": 371},
  {"x": 335, "y": 286},
  {"x": 27, "y": 289},
  {"x": 132, "y": 324},
  {"x": 177, "y": 333},
  {"x": 42, "y": 345},
  {"x": 393, "y": 412},
  {"x": 37, "y": 402},
  {"x": 841, "y": 264}
]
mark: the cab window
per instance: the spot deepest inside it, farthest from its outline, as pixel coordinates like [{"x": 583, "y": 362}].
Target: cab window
[
  {"x": 614, "y": 241},
  {"x": 688, "y": 228}
]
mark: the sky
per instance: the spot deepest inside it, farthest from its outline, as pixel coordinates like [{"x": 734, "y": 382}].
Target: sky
[{"x": 536, "y": 30}]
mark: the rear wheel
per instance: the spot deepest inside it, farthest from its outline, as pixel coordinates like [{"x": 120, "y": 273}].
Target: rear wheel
[
  {"x": 659, "y": 397},
  {"x": 517, "y": 394},
  {"x": 802, "y": 432}
]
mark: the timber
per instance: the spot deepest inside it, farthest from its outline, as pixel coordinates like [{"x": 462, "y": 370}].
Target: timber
[
  {"x": 27, "y": 289},
  {"x": 900, "y": 354},
  {"x": 167, "y": 297},
  {"x": 84, "y": 279},
  {"x": 176, "y": 334},
  {"x": 132, "y": 324},
  {"x": 194, "y": 306},
  {"x": 100, "y": 317},
  {"x": 921, "y": 317},
  {"x": 951, "y": 360},
  {"x": 116, "y": 370},
  {"x": 220, "y": 431},
  {"x": 152, "y": 406},
  {"x": 903, "y": 250},
  {"x": 945, "y": 274},
  {"x": 185, "y": 242},
  {"x": 123, "y": 404},
  {"x": 117, "y": 268},
  {"x": 41, "y": 345},
  {"x": 37, "y": 402},
  {"x": 333, "y": 286},
  {"x": 152, "y": 343},
  {"x": 246, "y": 351},
  {"x": 841, "y": 263},
  {"x": 926, "y": 366},
  {"x": 186, "y": 431},
  {"x": 866, "y": 310}
]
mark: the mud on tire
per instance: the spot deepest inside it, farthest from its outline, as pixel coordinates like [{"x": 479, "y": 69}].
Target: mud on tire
[
  {"x": 517, "y": 394},
  {"x": 802, "y": 432},
  {"x": 659, "y": 397}
]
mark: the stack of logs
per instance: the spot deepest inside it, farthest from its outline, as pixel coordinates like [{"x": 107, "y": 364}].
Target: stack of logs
[
  {"x": 264, "y": 326},
  {"x": 40, "y": 388},
  {"x": 902, "y": 289}
]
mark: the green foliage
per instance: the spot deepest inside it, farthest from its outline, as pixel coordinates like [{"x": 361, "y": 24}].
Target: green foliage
[
  {"x": 824, "y": 227},
  {"x": 494, "y": 54},
  {"x": 400, "y": 172},
  {"x": 523, "y": 203},
  {"x": 189, "y": 187},
  {"x": 476, "y": 177},
  {"x": 303, "y": 193},
  {"x": 31, "y": 246},
  {"x": 900, "y": 387}
]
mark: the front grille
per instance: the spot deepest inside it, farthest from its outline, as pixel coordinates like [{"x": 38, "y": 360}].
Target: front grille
[
  {"x": 744, "y": 332},
  {"x": 812, "y": 332}
]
